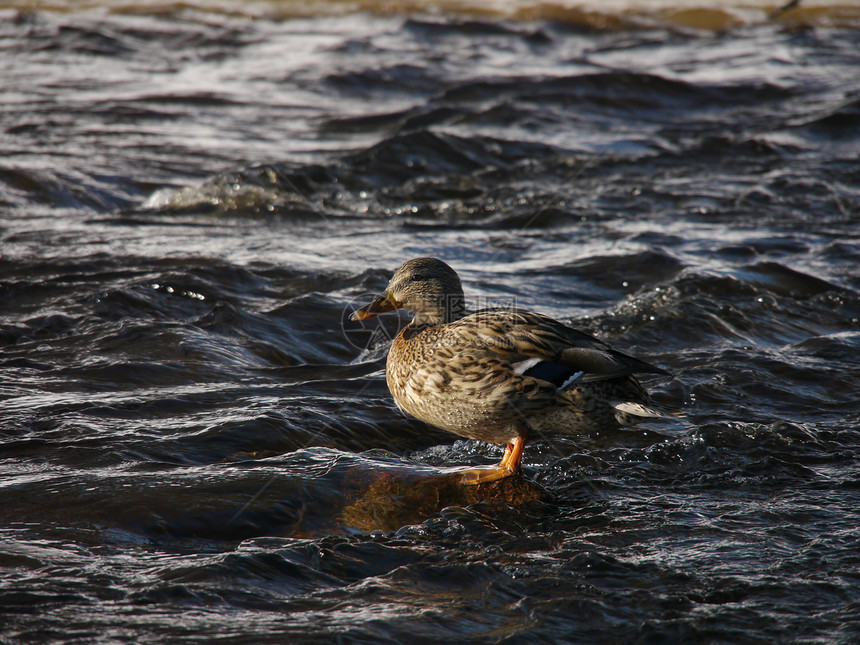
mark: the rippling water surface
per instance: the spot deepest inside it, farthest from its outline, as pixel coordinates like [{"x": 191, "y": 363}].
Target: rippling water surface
[{"x": 195, "y": 444}]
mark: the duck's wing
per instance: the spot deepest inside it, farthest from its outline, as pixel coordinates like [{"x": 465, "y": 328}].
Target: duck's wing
[{"x": 538, "y": 346}]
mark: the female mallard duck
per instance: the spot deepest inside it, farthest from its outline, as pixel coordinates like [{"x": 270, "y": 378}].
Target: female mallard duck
[{"x": 501, "y": 375}]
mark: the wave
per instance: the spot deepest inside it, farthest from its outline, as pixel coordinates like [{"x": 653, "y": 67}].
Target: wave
[{"x": 589, "y": 14}]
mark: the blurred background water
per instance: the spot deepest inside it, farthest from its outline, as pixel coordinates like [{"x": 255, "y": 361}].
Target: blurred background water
[{"x": 193, "y": 197}]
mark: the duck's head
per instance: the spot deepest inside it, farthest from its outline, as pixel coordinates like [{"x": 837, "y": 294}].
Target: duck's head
[{"x": 427, "y": 287}]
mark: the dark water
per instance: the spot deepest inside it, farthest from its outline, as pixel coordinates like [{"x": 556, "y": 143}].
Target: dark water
[{"x": 191, "y": 434}]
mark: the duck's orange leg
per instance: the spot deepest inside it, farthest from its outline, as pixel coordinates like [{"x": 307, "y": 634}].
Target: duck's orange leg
[
  {"x": 510, "y": 465},
  {"x": 513, "y": 457}
]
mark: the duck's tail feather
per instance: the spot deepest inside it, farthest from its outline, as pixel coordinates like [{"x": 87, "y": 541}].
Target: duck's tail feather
[{"x": 630, "y": 412}]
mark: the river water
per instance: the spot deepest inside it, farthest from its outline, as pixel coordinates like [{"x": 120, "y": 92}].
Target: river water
[{"x": 197, "y": 446}]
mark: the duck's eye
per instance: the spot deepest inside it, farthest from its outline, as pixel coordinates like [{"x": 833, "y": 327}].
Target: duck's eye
[{"x": 417, "y": 277}]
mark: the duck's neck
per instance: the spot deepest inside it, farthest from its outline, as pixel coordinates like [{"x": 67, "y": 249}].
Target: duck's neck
[{"x": 450, "y": 308}]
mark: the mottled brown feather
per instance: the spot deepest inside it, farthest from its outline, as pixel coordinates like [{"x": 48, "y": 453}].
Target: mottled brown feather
[{"x": 457, "y": 371}]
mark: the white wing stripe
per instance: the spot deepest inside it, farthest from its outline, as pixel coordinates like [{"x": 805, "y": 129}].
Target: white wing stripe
[
  {"x": 526, "y": 365},
  {"x": 572, "y": 379}
]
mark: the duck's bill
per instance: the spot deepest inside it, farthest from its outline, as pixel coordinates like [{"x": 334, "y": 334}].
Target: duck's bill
[{"x": 381, "y": 305}]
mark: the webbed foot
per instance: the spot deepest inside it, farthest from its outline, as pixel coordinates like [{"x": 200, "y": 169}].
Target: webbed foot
[
  {"x": 484, "y": 474},
  {"x": 510, "y": 465}
]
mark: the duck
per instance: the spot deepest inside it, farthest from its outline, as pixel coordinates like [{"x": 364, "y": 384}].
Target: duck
[{"x": 502, "y": 375}]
